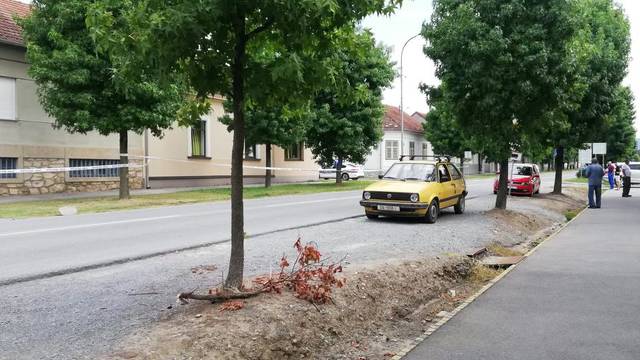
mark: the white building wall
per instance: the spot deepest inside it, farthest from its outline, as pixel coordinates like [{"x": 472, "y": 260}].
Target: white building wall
[{"x": 377, "y": 163}]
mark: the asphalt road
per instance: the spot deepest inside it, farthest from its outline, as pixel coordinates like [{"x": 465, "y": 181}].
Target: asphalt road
[
  {"x": 41, "y": 247},
  {"x": 575, "y": 298},
  {"x": 84, "y": 314}
]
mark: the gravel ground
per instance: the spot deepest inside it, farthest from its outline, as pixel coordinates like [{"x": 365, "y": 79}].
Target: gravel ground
[{"x": 82, "y": 315}]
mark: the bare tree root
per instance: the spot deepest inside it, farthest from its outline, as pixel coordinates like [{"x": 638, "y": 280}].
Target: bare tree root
[
  {"x": 216, "y": 298},
  {"x": 309, "y": 278}
]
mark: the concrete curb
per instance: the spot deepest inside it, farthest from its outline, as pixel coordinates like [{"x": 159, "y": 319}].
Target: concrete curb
[{"x": 433, "y": 328}]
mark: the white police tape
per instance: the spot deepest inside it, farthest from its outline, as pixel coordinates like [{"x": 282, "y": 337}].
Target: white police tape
[
  {"x": 148, "y": 158},
  {"x": 244, "y": 166},
  {"x": 68, "y": 168}
]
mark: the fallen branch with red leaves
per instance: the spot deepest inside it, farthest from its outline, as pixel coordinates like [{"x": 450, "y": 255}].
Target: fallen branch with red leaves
[{"x": 309, "y": 279}]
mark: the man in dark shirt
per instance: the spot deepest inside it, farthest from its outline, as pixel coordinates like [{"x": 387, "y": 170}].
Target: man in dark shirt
[
  {"x": 626, "y": 179},
  {"x": 594, "y": 173}
]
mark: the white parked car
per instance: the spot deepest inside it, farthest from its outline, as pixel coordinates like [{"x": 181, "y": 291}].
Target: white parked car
[
  {"x": 635, "y": 172},
  {"x": 349, "y": 171}
]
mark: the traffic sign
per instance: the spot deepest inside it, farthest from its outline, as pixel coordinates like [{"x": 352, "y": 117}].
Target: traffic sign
[{"x": 599, "y": 148}]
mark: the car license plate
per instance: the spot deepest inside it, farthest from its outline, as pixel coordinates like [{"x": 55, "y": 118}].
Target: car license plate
[{"x": 388, "y": 208}]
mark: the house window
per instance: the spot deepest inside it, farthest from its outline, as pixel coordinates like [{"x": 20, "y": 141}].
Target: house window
[
  {"x": 94, "y": 173},
  {"x": 251, "y": 152},
  {"x": 391, "y": 150},
  {"x": 294, "y": 152},
  {"x": 425, "y": 149},
  {"x": 199, "y": 139},
  {"x": 7, "y": 163},
  {"x": 7, "y": 98},
  {"x": 412, "y": 148}
]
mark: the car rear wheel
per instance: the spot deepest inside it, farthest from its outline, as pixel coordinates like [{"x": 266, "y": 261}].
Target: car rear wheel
[
  {"x": 459, "y": 207},
  {"x": 345, "y": 177},
  {"x": 372, "y": 216},
  {"x": 432, "y": 212}
]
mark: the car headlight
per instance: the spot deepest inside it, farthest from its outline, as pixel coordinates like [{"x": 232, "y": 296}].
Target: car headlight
[
  {"x": 366, "y": 195},
  {"x": 414, "y": 197}
]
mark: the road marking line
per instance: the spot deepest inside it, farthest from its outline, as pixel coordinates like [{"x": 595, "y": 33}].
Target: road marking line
[{"x": 156, "y": 218}]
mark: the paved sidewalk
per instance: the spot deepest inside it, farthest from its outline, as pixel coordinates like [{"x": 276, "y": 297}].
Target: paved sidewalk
[{"x": 577, "y": 297}]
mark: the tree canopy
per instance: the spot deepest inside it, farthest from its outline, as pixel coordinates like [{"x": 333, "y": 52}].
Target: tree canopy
[
  {"x": 226, "y": 48},
  {"x": 347, "y": 114},
  {"x": 76, "y": 83},
  {"x": 618, "y": 130},
  {"x": 443, "y": 130},
  {"x": 501, "y": 64},
  {"x": 596, "y": 63}
]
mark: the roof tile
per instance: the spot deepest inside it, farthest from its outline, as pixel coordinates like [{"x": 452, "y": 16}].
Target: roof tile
[
  {"x": 10, "y": 32},
  {"x": 392, "y": 120}
]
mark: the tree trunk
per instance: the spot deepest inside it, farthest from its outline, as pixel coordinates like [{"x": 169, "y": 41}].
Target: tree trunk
[
  {"x": 236, "y": 261},
  {"x": 479, "y": 164},
  {"x": 124, "y": 160},
  {"x": 267, "y": 175},
  {"x": 559, "y": 167},
  {"x": 339, "y": 171},
  {"x": 501, "y": 199},
  {"x": 462, "y": 164}
]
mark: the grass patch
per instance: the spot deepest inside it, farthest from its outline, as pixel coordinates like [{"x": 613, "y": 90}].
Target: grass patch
[
  {"x": 570, "y": 214},
  {"x": 499, "y": 250},
  {"x": 580, "y": 180},
  {"x": 482, "y": 274},
  {"x": 480, "y": 176},
  {"x": 104, "y": 204}
]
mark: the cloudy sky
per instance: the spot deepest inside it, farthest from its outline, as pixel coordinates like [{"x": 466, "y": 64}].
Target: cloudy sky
[{"x": 394, "y": 30}]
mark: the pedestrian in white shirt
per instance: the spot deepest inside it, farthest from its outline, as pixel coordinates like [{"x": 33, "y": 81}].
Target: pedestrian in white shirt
[{"x": 626, "y": 179}]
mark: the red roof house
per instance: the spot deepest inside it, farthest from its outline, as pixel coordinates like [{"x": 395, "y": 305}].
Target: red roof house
[
  {"x": 392, "y": 120},
  {"x": 10, "y": 32}
]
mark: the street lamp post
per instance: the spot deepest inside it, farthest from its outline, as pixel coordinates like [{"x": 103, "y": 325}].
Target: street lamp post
[{"x": 402, "y": 94}]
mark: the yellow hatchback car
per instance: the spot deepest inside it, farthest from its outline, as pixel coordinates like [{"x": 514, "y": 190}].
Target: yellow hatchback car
[{"x": 416, "y": 188}]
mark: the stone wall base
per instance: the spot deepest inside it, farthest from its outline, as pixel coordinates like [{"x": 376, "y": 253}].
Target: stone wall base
[{"x": 59, "y": 182}]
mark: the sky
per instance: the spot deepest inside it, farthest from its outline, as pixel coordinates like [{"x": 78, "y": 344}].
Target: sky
[{"x": 407, "y": 21}]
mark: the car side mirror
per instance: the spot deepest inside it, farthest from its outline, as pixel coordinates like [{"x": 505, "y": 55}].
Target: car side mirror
[{"x": 380, "y": 177}]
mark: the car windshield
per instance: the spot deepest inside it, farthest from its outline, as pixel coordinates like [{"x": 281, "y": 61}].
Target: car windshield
[
  {"x": 521, "y": 170},
  {"x": 410, "y": 171}
]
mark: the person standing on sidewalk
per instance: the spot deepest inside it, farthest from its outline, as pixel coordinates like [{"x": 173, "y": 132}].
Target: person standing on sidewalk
[
  {"x": 626, "y": 179},
  {"x": 595, "y": 172},
  {"x": 610, "y": 171},
  {"x": 618, "y": 180}
]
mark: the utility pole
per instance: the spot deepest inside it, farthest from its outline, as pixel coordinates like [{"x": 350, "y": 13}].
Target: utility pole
[{"x": 402, "y": 94}]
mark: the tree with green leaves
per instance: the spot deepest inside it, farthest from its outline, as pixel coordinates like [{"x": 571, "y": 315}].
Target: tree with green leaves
[
  {"x": 596, "y": 64},
  {"x": 443, "y": 131},
  {"x": 282, "y": 125},
  {"x": 222, "y": 48},
  {"x": 76, "y": 83},
  {"x": 348, "y": 112},
  {"x": 500, "y": 63},
  {"x": 618, "y": 130}
]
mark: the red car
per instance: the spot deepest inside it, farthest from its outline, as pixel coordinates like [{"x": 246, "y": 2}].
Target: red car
[{"x": 526, "y": 179}]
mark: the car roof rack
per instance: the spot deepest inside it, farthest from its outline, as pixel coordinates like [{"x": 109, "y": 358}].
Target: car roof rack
[{"x": 437, "y": 158}]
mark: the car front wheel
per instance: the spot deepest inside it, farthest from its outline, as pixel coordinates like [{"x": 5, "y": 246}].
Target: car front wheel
[
  {"x": 345, "y": 177},
  {"x": 432, "y": 212},
  {"x": 459, "y": 207}
]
